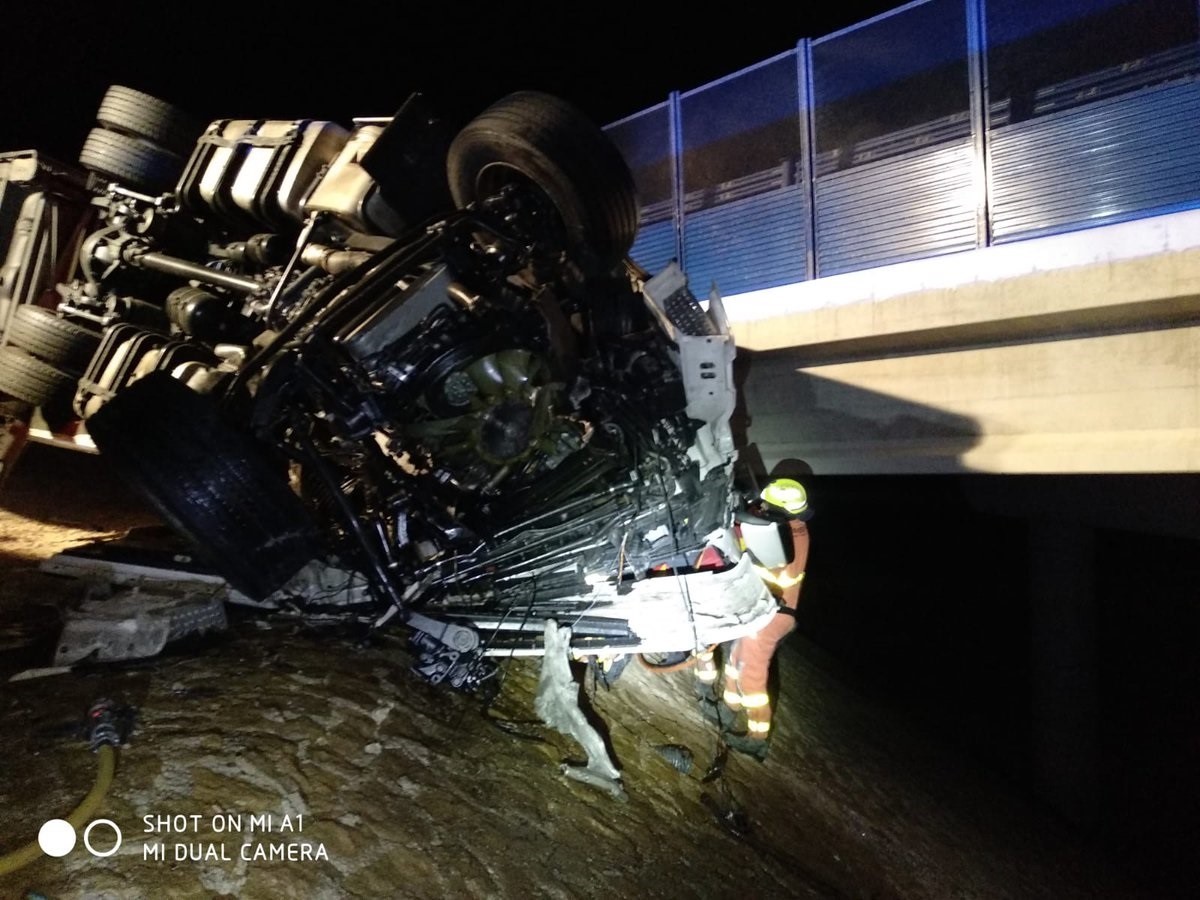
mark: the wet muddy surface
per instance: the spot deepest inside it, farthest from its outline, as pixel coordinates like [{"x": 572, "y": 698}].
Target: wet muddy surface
[{"x": 363, "y": 781}]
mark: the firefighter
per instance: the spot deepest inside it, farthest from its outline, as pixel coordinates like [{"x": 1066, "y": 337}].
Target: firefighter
[{"x": 749, "y": 661}]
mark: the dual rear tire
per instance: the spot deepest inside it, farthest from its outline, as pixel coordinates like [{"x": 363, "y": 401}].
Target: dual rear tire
[
  {"x": 42, "y": 358},
  {"x": 140, "y": 141}
]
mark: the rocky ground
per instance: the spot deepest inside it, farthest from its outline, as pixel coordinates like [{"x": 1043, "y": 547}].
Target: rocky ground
[{"x": 398, "y": 789}]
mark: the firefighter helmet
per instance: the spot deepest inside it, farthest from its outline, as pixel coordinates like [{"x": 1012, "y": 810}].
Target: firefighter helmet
[{"x": 788, "y": 496}]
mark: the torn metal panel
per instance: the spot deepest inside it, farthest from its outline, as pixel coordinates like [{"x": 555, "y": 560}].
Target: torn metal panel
[
  {"x": 557, "y": 703},
  {"x": 138, "y": 622}
]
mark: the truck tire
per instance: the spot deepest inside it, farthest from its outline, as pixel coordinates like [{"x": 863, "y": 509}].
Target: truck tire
[
  {"x": 49, "y": 337},
  {"x": 547, "y": 141},
  {"x": 210, "y": 480},
  {"x": 32, "y": 380},
  {"x": 133, "y": 161},
  {"x": 142, "y": 115}
]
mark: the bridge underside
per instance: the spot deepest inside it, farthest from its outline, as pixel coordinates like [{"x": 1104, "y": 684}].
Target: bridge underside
[{"x": 1073, "y": 354}]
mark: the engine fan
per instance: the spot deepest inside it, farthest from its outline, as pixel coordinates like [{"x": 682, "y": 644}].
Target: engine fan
[{"x": 505, "y": 419}]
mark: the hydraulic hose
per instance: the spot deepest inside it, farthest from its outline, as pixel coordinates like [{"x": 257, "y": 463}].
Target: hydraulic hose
[
  {"x": 108, "y": 726},
  {"x": 104, "y": 776}
]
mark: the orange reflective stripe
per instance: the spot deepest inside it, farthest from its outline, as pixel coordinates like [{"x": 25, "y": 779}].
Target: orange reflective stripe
[{"x": 733, "y": 698}]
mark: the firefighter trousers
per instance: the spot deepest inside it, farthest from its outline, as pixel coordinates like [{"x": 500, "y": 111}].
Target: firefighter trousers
[{"x": 747, "y": 669}]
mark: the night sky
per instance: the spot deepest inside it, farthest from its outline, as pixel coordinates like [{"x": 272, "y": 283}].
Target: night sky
[{"x": 337, "y": 61}]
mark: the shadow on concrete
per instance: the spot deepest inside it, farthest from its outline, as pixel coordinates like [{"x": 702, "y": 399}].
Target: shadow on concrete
[{"x": 784, "y": 414}]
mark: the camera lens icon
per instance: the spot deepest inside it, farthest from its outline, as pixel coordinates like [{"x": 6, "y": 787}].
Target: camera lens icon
[{"x": 57, "y": 838}]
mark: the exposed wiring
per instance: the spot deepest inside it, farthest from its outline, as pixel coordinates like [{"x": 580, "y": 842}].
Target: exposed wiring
[{"x": 683, "y": 588}]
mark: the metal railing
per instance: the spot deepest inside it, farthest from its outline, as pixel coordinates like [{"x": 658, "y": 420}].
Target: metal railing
[{"x": 1075, "y": 157}]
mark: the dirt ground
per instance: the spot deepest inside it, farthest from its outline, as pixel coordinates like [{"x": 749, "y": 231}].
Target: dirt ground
[{"x": 404, "y": 790}]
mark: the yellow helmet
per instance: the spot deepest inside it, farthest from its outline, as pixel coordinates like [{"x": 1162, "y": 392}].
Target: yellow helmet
[{"x": 786, "y": 495}]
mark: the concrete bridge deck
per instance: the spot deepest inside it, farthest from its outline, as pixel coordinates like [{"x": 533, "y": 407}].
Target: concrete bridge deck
[{"x": 1075, "y": 353}]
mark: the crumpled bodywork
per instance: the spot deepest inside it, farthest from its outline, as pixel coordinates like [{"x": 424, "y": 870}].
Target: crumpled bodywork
[{"x": 404, "y": 377}]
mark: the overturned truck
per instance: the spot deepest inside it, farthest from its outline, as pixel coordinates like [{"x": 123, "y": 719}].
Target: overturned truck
[{"x": 389, "y": 373}]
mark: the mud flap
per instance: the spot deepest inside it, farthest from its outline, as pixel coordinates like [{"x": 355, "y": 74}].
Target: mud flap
[{"x": 557, "y": 704}]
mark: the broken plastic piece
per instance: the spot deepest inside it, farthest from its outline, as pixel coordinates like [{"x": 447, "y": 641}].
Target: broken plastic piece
[{"x": 557, "y": 704}]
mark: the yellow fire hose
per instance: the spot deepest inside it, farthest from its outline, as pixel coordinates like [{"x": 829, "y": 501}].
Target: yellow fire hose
[{"x": 107, "y": 764}]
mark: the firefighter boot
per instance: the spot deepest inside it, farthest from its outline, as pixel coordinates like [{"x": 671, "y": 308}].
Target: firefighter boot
[
  {"x": 719, "y": 713},
  {"x": 749, "y": 745}
]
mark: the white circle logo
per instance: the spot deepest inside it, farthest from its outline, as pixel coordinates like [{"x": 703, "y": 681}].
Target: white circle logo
[
  {"x": 87, "y": 833},
  {"x": 57, "y": 837}
]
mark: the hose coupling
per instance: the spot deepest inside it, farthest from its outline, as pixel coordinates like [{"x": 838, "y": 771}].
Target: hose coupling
[{"x": 108, "y": 723}]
